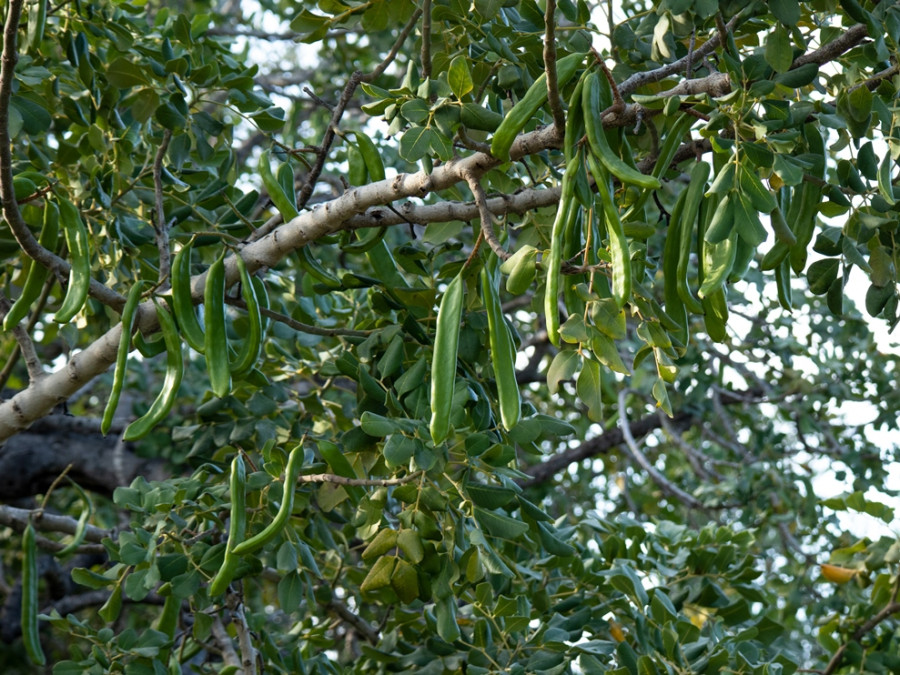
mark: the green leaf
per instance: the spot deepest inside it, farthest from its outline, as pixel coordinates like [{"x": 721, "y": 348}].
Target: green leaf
[
  {"x": 459, "y": 77},
  {"x": 123, "y": 74},
  {"x": 786, "y": 11},
  {"x": 489, "y": 496},
  {"x": 821, "y": 274},
  {"x": 290, "y": 591},
  {"x": 563, "y": 367},
  {"x": 609, "y": 318},
  {"x": 415, "y": 143},
  {"x": 787, "y": 169},
  {"x": 589, "y": 387},
  {"x": 380, "y": 574},
  {"x": 405, "y": 582},
  {"x": 605, "y": 350},
  {"x": 746, "y": 217},
  {"x": 499, "y": 525},
  {"x": 779, "y": 53}
]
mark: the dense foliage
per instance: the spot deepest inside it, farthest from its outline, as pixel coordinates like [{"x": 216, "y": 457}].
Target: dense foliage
[{"x": 434, "y": 336}]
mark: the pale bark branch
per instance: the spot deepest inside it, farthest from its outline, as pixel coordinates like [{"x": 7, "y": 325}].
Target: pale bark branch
[
  {"x": 363, "y": 482},
  {"x": 661, "y": 481},
  {"x": 830, "y": 51},
  {"x": 18, "y": 519},
  {"x": 161, "y": 228}
]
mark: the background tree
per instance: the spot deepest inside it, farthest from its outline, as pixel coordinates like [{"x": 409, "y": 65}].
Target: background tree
[{"x": 492, "y": 337}]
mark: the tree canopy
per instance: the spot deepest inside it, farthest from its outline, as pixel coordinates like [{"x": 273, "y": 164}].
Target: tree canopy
[{"x": 437, "y": 336}]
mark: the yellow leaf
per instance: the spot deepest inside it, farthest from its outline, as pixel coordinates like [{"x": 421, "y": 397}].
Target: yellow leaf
[{"x": 837, "y": 575}]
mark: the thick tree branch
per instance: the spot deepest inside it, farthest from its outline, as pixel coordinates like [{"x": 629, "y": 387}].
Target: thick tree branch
[
  {"x": 830, "y": 51},
  {"x": 639, "y": 80},
  {"x": 364, "y": 482},
  {"x": 442, "y": 212}
]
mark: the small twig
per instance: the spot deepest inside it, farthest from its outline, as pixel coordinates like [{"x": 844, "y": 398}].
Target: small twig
[
  {"x": 362, "y": 482},
  {"x": 689, "y": 67},
  {"x": 641, "y": 79},
  {"x": 639, "y": 457},
  {"x": 877, "y": 78},
  {"x": 361, "y": 626},
  {"x": 49, "y": 491},
  {"x": 559, "y": 117},
  {"x": 298, "y": 325},
  {"x": 24, "y": 343},
  {"x": 618, "y": 103},
  {"x": 381, "y": 67},
  {"x": 694, "y": 456},
  {"x": 487, "y": 220},
  {"x": 475, "y": 249},
  {"x": 10, "y": 364},
  {"x": 320, "y": 101},
  {"x": 161, "y": 227},
  {"x": 426, "y": 38},
  {"x": 469, "y": 144},
  {"x": 322, "y": 153}
]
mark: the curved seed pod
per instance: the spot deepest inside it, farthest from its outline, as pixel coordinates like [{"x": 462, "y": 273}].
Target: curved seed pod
[
  {"x": 249, "y": 352},
  {"x": 131, "y": 303},
  {"x": 783, "y": 284},
  {"x": 30, "y": 634},
  {"x": 257, "y": 541},
  {"x": 236, "y": 528},
  {"x": 503, "y": 352},
  {"x": 79, "y": 260},
  {"x": 674, "y": 305},
  {"x": 590, "y": 102},
  {"x": 174, "y": 372},
  {"x": 567, "y": 210},
  {"x": 528, "y": 105},
  {"x": 718, "y": 259},
  {"x": 37, "y": 21},
  {"x": 216, "y": 338},
  {"x": 618, "y": 243},
  {"x": 371, "y": 157},
  {"x": 695, "y": 190},
  {"x": 574, "y": 119},
  {"x": 443, "y": 364},
  {"x": 37, "y": 274},
  {"x": 182, "y": 302}
]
